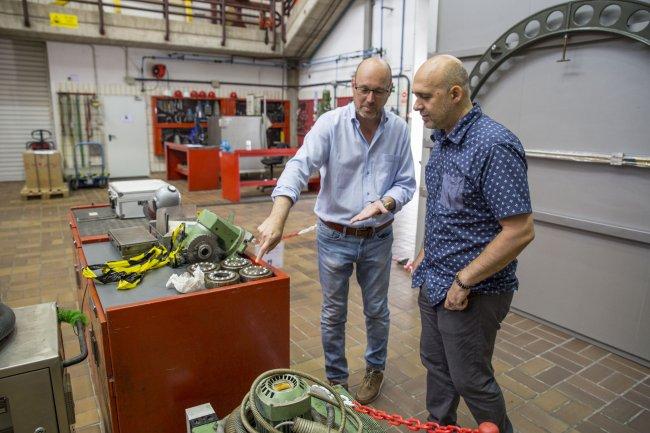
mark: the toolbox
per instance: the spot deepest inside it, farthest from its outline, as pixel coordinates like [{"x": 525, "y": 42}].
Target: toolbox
[
  {"x": 128, "y": 196},
  {"x": 131, "y": 241}
]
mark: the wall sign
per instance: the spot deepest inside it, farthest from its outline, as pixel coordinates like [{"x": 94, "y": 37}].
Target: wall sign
[{"x": 64, "y": 20}]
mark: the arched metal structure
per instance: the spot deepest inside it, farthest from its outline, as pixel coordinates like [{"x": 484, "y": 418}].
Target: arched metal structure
[{"x": 624, "y": 18}]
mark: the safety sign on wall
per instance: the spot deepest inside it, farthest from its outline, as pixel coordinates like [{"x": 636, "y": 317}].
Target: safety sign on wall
[{"x": 64, "y": 20}]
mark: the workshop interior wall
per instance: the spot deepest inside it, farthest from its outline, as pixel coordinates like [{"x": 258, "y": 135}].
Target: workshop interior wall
[{"x": 588, "y": 270}]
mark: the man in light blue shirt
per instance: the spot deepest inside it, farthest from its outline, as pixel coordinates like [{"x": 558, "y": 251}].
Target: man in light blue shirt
[{"x": 364, "y": 157}]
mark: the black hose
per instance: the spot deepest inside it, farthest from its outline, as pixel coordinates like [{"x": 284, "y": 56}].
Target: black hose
[
  {"x": 81, "y": 329},
  {"x": 7, "y": 321}
]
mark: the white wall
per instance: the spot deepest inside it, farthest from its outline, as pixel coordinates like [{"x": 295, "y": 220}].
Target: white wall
[
  {"x": 347, "y": 37},
  {"x": 71, "y": 70}
]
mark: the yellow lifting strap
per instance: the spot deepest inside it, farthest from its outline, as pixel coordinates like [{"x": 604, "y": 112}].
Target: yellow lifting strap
[{"x": 128, "y": 273}]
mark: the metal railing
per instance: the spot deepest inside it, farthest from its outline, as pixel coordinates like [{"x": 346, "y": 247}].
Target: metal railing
[{"x": 268, "y": 15}]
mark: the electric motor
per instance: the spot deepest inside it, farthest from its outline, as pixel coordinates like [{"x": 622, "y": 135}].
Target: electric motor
[{"x": 282, "y": 398}]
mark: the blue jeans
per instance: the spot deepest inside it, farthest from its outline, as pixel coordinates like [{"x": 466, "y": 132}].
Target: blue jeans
[{"x": 336, "y": 256}]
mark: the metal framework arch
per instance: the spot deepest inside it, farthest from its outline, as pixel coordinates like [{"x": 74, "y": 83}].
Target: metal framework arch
[{"x": 624, "y": 18}]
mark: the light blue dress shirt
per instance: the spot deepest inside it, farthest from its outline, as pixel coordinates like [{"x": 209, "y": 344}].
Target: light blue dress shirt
[{"x": 353, "y": 172}]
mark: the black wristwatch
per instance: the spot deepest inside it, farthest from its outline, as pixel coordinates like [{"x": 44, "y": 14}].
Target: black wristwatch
[{"x": 461, "y": 284}]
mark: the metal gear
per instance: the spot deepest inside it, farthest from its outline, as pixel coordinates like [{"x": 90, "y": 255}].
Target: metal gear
[{"x": 203, "y": 248}]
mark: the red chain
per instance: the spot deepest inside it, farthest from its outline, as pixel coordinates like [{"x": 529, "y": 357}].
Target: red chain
[{"x": 415, "y": 424}]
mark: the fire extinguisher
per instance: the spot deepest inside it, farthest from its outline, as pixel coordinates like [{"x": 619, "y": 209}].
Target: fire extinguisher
[{"x": 159, "y": 71}]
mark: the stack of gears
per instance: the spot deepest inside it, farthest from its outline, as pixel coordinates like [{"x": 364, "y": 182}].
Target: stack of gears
[{"x": 232, "y": 270}]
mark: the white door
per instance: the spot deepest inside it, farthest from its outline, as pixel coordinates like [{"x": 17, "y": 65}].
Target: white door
[{"x": 127, "y": 147}]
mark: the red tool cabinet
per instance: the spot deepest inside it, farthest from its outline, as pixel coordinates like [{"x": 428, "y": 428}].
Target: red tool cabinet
[{"x": 154, "y": 352}]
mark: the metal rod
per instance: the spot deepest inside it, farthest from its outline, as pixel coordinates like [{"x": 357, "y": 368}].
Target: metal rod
[
  {"x": 102, "y": 31},
  {"x": 26, "y": 14},
  {"x": 223, "y": 23},
  {"x": 617, "y": 159},
  {"x": 166, "y": 16}
]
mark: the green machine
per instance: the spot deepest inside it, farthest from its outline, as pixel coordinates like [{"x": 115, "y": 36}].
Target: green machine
[
  {"x": 281, "y": 401},
  {"x": 213, "y": 238}
]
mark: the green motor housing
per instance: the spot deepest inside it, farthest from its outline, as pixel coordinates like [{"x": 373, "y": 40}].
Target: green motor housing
[
  {"x": 213, "y": 238},
  {"x": 283, "y": 397}
]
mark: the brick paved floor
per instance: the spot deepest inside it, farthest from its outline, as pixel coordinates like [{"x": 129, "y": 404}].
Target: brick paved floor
[{"x": 552, "y": 382}]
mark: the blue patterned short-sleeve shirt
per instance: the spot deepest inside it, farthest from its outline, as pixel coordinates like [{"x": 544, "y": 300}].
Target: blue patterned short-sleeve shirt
[{"x": 476, "y": 176}]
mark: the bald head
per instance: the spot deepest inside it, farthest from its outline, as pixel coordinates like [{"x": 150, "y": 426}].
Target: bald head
[
  {"x": 376, "y": 67},
  {"x": 441, "y": 89},
  {"x": 446, "y": 70},
  {"x": 371, "y": 87}
]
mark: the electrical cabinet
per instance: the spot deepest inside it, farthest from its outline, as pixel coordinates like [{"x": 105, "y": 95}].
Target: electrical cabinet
[{"x": 35, "y": 393}]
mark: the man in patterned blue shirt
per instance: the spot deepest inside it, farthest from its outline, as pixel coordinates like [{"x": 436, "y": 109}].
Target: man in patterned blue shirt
[
  {"x": 478, "y": 220},
  {"x": 364, "y": 157}
]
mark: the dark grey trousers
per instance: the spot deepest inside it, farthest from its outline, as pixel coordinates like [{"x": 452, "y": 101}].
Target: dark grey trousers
[{"x": 456, "y": 349}]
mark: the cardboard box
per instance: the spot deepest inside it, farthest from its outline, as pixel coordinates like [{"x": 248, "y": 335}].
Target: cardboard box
[{"x": 43, "y": 170}]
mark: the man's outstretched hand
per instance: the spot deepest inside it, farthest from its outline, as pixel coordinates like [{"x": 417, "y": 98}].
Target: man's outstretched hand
[
  {"x": 269, "y": 235},
  {"x": 374, "y": 208}
]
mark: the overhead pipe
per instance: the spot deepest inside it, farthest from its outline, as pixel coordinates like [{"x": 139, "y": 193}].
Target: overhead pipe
[
  {"x": 345, "y": 56},
  {"x": 227, "y": 83},
  {"x": 199, "y": 58}
]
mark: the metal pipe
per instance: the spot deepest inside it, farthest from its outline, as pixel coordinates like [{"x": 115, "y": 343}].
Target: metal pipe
[
  {"x": 401, "y": 54},
  {"x": 340, "y": 57},
  {"x": 166, "y": 17},
  {"x": 381, "y": 29},
  {"x": 102, "y": 31},
  {"x": 26, "y": 14},
  {"x": 227, "y": 83},
  {"x": 617, "y": 159}
]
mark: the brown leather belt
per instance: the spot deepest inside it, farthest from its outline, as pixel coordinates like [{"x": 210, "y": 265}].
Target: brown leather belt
[{"x": 363, "y": 232}]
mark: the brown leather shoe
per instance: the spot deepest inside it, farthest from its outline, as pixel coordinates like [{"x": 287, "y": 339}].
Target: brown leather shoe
[
  {"x": 370, "y": 386},
  {"x": 343, "y": 384}
]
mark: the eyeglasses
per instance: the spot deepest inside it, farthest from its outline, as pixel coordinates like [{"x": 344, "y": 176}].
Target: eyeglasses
[{"x": 365, "y": 91}]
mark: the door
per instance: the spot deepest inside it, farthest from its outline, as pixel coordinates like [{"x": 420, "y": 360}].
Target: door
[
  {"x": 25, "y": 102},
  {"x": 127, "y": 146},
  {"x": 29, "y": 402}
]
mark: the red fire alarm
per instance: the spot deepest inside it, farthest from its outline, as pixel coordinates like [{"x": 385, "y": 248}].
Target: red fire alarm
[{"x": 159, "y": 71}]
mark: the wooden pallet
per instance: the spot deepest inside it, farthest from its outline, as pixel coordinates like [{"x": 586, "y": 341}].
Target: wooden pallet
[{"x": 45, "y": 194}]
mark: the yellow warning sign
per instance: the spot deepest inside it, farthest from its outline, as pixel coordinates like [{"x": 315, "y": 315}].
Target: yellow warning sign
[{"x": 64, "y": 20}]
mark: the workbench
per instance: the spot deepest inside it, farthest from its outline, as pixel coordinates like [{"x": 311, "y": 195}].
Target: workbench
[
  {"x": 231, "y": 182},
  {"x": 198, "y": 164},
  {"x": 155, "y": 352}
]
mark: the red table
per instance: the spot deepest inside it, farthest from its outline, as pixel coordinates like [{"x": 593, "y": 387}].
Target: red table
[
  {"x": 198, "y": 164},
  {"x": 230, "y": 181}
]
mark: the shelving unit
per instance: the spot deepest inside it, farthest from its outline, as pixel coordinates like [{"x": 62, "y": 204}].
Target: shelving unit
[
  {"x": 166, "y": 126},
  {"x": 306, "y": 117}
]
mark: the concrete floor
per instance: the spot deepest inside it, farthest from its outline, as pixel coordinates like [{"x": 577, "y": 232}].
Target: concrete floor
[{"x": 552, "y": 382}]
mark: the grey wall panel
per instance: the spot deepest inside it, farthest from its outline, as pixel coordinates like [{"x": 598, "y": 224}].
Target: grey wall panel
[
  {"x": 595, "y": 285},
  {"x": 597, "y": 102},
  {"x": 618, "y": 196},
  {"x": 471, "y": 24}
]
